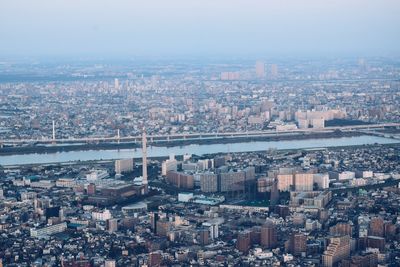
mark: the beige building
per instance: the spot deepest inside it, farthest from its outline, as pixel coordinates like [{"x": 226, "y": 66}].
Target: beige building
[
  {"x": 285, "y": 181},
  {"x": 338, "y": 249},
  {"x": 303, "y": 181}
]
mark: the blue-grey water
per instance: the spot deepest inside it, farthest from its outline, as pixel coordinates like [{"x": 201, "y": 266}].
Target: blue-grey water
[{"x": 190, "y": 149}]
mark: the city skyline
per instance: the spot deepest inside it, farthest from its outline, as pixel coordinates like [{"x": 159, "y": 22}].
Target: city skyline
[{"x": 199, "y": 133}]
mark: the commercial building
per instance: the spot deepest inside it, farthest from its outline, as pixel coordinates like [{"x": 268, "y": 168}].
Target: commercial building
[{"x": 48, "y": 230}]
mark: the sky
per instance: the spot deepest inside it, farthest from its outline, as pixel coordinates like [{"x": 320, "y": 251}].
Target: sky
[{"x": 119, "y": 28}]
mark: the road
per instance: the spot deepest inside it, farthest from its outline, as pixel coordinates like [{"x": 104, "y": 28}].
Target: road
[{"x": 188, "y": 136}]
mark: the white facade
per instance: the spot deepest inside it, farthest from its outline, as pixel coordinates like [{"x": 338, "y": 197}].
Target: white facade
[
  {"x": 96, "y": 175},
  {"x": 347, "y": 175},
  {"x": 101, "y": 215},
  {"x": 367, "y": 174},
  {"x": 286, "y": 127},
  {"x": 358, "y": 182},
  {"x": 185, "y": 197},
  {"x": 66, "y": 182},
  {"x": 322, "y": 180},
  {"x": 169, "y": 165},
  {"x": 109, "y": 263},
  {"x": 49, "y": 230}
]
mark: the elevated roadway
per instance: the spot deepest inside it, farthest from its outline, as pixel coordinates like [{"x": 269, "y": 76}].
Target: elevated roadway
[{"x": 367, "y": 129}]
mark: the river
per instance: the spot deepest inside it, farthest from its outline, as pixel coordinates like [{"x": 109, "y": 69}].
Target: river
[{"x": 152, "y": 151}]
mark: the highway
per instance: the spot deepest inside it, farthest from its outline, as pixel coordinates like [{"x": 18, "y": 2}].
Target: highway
[{"x": 190, "y": 136}]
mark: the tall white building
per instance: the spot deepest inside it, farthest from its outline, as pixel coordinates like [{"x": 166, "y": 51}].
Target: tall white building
[
  {"x": 170, "y": 164},
  {"x": 116, "y": 83},
  {"x": 322, "y": 180},
  {"x": 101, "y": 215}
]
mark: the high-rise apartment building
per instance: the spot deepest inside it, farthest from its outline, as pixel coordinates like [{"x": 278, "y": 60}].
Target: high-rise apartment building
[
  {"x": 341, "y": 229},
  {"x": 274, "y": 71},
  {"x": 209, "y": 182},
  {"x": 337, "y": 250},
  {"x": 232, "y": 181},
  {"x": 243, "y": 241},
  {"x": 377, "y": 227},
  {"x": 285, "y": 181},
  {"x": 268, "y": 235},
  {"x": 170, "y": 164},
  {"x": 260, "y": 69},
  {"x": 123, "y": 165},
  {"x": 303, "y": 181},
  {"x": 297, "y": 243}
]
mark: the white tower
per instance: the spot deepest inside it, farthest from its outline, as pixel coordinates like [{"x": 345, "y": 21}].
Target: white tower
[
  {"x": 54, "y": 131},
  {"x": 116, "y": 83},
  {"x": 144, "y": 160}
]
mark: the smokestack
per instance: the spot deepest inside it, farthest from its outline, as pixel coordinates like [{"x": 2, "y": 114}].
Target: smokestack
[
  {"x": 54, "y": 130},
  {"x": 144, "y": 157}
]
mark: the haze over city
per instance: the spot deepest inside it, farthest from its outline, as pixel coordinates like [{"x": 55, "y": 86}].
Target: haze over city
[
  {"x": 199, "y": 28},
  {"x": 199, "y": 133}
]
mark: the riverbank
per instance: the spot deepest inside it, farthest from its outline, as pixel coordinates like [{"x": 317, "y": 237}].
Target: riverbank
[{"x": 97, "y": 156}]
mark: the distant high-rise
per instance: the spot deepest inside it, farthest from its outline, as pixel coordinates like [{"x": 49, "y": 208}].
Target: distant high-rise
[
  {"x": 303, "y": 182},
  {"x": 243, "y": 241},
  {"x": 285, "y": 181},
  {"x": 260, "y": 69},
  {"x": 268, "y": 235},
  {"x": 297, "y": 243},
  {"x": 208, "y": 182},
  {"x": 204, "y": 235},
  {"x": 112, "y": 225},
  {"x": 154, "y": 219},
  {"x": 274, "y": 196},
  {"x": 91, "y": 189},
  {"x": 54, "y": 131},
  {"x": 116, "y": 83},
  {"x": 123, "y": 165},
  {"x": 341, "y": 229},
  {"x": 274, "y": 71},
  {"x": 338, "y": 249},
  {"x": 377, "y": 227}
]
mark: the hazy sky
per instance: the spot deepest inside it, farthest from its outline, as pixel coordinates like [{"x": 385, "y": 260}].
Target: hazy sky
[{"x": 199, "y": 27}]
